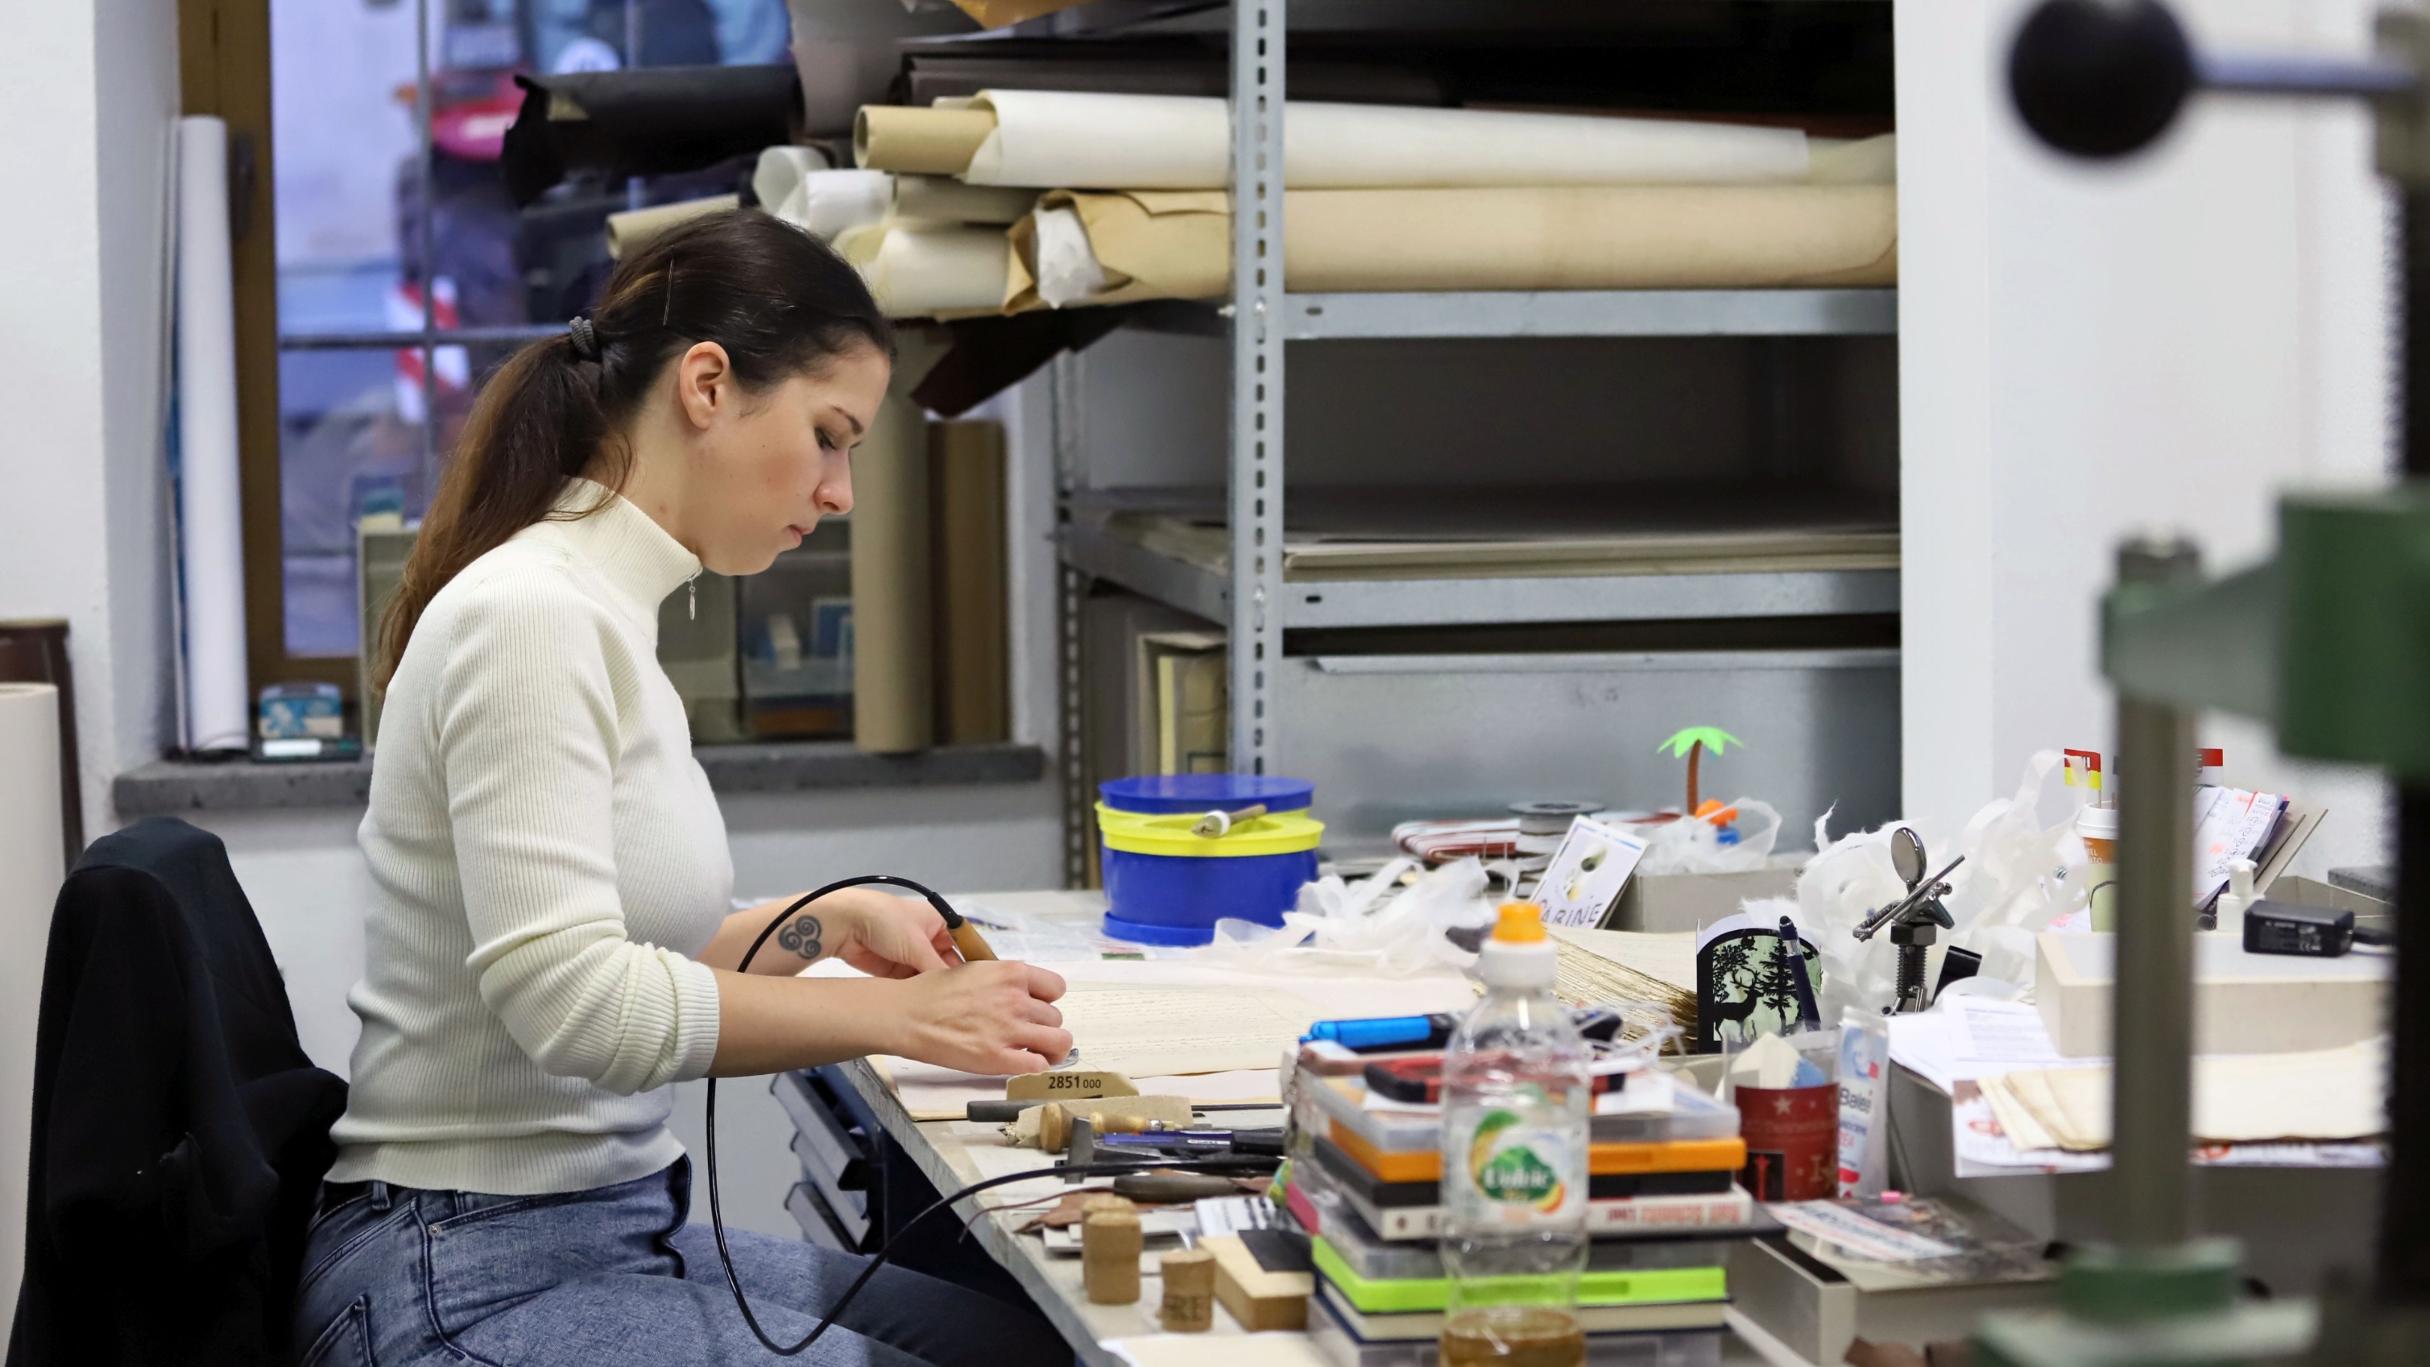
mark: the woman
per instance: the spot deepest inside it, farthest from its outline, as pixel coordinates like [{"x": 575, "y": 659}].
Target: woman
[{"x": 549, "y": 947}]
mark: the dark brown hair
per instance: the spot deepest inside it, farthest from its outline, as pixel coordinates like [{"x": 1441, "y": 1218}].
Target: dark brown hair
[{"x": 777, "y": 299}]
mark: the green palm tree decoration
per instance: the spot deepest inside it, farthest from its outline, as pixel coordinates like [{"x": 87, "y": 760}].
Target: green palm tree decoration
[{"x": 1691, "y": 745}]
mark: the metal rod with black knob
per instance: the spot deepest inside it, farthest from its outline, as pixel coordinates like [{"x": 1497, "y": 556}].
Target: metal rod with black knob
[{"x": 2106, "y": 78}]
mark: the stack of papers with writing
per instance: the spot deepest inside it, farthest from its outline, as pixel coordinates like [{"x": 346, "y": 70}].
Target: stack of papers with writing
[
  {"x": 1915, "y": 1243},
  {"x": 1967, "y": 1038},
  {"x": 2231, "y": 824},
  {"x": 1178, "y": 1028}
]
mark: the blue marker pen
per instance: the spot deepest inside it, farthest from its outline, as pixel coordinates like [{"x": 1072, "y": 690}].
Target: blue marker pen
[
  {"x": 1380, "y": 1033},
  {"x": 1385, "y": 1032}
]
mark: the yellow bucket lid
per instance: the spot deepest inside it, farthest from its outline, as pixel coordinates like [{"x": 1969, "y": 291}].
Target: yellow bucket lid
[
  {"x": 1134, "y": 833},
  {"x": 1111, "y": 817}
]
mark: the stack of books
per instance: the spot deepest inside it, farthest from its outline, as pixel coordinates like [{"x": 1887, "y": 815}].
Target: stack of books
[{"x": 1663, "y": 1207}]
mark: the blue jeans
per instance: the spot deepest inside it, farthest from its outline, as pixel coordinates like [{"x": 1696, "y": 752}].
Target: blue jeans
[{"x": 396, "y": 1277}]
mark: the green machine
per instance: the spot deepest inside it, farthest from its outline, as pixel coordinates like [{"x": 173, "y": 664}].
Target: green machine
[{"x": 2329, "y": 643}]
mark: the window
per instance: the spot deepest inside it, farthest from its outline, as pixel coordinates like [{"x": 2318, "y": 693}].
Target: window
[{"x": 401, "y": 271}]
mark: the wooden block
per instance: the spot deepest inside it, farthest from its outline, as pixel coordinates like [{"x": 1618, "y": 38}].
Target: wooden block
[
  {"x": 1189, "y": 1291},
  {"x": 967, "y": 500},
  {"x": 1110, "y": 1241},
  {"x": 2243, "y": 1003},
  {"x": 1067, "y": 1086},
  {"x": 1259, "y": 1299}
]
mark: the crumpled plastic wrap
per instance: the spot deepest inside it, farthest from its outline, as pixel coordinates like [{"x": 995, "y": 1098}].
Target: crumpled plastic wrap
[
  {"x": 1375, "y": 927},
  {"x": 1692, "y": 846},
  {"x": 2011, "y": 886}
]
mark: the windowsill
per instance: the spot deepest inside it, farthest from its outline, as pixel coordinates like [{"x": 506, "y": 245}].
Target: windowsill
[{"x": 168, "y": 787}]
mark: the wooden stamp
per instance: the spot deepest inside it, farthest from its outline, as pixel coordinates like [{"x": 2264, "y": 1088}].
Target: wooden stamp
[
  {"x": 1110, "y": 1240},
  {"x": 1189, "y": 1291}
]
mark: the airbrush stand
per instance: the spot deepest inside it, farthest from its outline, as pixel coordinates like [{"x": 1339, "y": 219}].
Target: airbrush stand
[{"x": 1915, "y": 921}]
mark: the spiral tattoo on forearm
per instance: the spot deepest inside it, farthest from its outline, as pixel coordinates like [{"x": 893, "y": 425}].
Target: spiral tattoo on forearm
[{"x": 802, "y": 937}]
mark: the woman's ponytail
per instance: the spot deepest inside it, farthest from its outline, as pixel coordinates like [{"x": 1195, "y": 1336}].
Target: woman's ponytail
[
  {"x": 777, "y": 299},
  {"x": 535, "y": 425}
]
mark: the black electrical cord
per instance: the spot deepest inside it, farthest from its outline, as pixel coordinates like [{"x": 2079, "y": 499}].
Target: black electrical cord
[{"x": 717, "y": 1217}]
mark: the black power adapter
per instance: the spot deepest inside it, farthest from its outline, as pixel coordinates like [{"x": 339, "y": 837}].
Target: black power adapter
[{"x": 2316, "y": 932}]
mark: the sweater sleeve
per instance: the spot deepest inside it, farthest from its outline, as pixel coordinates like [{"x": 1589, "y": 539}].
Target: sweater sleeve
[{"x": 527, "y": 739}]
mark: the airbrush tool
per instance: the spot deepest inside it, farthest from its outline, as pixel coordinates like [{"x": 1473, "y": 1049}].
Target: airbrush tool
[{"x": 1915, "y": 921}]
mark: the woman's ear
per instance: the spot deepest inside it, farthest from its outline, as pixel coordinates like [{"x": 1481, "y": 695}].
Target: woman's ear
[{"x": 704, "y": 383}]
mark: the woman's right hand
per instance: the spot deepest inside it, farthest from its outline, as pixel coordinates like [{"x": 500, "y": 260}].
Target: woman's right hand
[{"x": 995, "y": 1018}]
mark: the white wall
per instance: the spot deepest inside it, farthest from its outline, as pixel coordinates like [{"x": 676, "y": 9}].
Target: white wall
[
  {"x": 81, "y": 370},
  {"x": 2089, "y": 349}
]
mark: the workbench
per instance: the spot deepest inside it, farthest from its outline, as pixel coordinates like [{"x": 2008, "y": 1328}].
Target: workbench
[{"x": 951, "y": 1154}]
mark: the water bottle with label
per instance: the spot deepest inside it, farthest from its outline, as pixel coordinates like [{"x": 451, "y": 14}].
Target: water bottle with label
[{"x": 1514, "y": 1191}]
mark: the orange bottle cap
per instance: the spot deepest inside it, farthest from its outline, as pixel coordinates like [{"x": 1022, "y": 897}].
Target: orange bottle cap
[{"x": 1521, "y": 923}]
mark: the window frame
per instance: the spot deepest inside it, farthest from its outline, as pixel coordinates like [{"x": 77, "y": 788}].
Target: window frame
[
  {"x": 224, "y": 50},
  {"x": 224, "y": 71}
]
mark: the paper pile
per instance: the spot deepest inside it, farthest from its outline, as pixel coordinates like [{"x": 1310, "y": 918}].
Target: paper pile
[
  {"x": 1179, "y": 1028},
  {"x": 2327, "y": 1094},
  {"x": 1618, "y": 967}
]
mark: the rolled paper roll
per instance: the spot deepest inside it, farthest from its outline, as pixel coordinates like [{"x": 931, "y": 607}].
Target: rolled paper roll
[{"x": 927, "y": 142}]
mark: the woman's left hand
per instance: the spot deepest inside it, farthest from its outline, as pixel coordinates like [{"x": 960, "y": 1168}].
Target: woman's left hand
[
  {"x": 880, "y": 934},
  {"x": 886, "y": 936}
]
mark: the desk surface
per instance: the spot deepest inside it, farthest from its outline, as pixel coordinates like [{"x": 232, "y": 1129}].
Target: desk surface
[{"x": 955, "y": 1153}]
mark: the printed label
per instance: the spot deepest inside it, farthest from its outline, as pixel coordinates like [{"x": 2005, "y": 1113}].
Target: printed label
[
  {"x": 1864, "y": 1050},
  {"x": 1515, "y": 1164}
]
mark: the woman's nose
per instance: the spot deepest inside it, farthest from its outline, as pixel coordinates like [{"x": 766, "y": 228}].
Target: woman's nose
[{"x": 835, "y": 493}]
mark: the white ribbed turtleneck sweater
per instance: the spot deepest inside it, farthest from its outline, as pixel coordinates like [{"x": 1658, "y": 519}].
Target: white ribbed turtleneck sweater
[{"x": 545, "y": 854}]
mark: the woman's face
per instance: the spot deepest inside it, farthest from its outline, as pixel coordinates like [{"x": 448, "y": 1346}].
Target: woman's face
[{"x": 768, "y": 468}]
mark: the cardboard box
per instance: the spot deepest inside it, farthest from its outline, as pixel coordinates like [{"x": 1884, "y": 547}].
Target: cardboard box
[
  {"x": 1690, "y": 901},
  {"x": 2243, "y": 1003}
]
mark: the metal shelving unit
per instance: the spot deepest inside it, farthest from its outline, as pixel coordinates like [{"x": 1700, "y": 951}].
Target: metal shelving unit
[
  {"x": 1137, "y": 18},
  {"x": 1554, "y": 313},
  {"x": 1250, "y": 596},
  {"x": 1483, "y": 601},
  {"x": 1593, "y": 313}
]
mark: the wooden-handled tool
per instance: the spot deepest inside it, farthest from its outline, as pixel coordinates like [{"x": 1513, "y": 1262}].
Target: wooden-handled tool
[
  {"x": 1127, "y": 1115},
  {"x": 1215, "y": 825},
  {"x": 966, "y": 937}
]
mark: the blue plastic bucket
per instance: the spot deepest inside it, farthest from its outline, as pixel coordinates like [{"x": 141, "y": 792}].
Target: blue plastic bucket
[
  {"x": 1197, "y": 794},
  {"x": 1165, "y": 885}
]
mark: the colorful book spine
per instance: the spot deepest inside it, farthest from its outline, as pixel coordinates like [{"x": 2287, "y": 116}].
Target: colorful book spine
[
  {"x": 1687, "y": 1155},
  {"x": 1724, "y": 1212}
]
